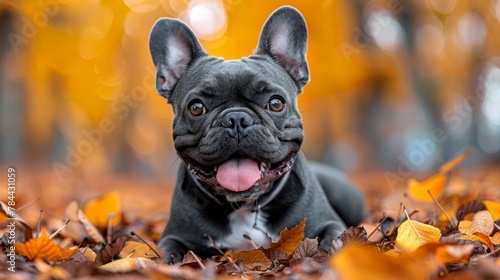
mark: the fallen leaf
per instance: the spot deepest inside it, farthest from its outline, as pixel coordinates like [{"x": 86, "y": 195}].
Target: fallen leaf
[
  {"x": 110, "y": 251},
  {"x": 446, "y": 254},
  {"x": 89, "y": 254},
  {"x": 470, "y": 207},
  {"x": 478, "y": 236},
  {"x": 121, "y": 265},
  {"x": 363, "y": 262},
  {"x": 494, "y": 208},
  {"x": 351, "y": 236},
  {"x": 413, "y": 234},
  {"x": 420, "y": 190},
  {"x": 481, "y": 222},
  {"x": 308, "y": 248},
  {"x": 135, "y": 249},
  {"x": 290, "y": 239},
  {"x": 99, "y": 210},
  {"x": 253, "y": 258},
  {"x": 44, "y": 248},
  {"x": 92, "y": 232},
  {"x": 74, "y": 229},
  {"x": 496, "y": 238}
]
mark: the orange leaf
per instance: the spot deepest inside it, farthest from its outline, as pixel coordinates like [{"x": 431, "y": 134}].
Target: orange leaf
[
  {"x": 44, "y": 248},
  {"x": 413, "y": 234},
  {"x": 362, "y": 262},
  {"x": 494, "y": 208},
  {"x": 138, "y": 250},
  {"x": 252, "y": 258},
  {"x": 481, "y": 237},
  {"x": 290, "y": 239},
  {"x": 454, "y": 162},
  {"x": 419, "y": 190},
  {"x": 99, "y": 210},
  {"x": 446, "y": 254},
  {"x": 481, "y": 222},
  {"x": 496, "y": 238}
]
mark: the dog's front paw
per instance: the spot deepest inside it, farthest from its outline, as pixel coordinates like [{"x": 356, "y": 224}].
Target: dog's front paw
[{"x": 173, "y": 251}]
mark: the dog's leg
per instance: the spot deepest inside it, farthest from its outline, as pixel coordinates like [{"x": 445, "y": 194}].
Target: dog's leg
[{"x": 342, "y": 194}]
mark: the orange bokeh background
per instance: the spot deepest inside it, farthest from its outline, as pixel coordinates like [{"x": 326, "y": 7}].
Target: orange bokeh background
[{"x": 77, "y": 82}]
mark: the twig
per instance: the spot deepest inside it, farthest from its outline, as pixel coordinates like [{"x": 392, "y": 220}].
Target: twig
[{"x": 144, "y": 241}]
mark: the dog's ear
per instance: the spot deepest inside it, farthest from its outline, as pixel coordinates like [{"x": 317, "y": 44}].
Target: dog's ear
[
  {"x": 284, "y": 38},
  {"x": 173, "y": 47}
]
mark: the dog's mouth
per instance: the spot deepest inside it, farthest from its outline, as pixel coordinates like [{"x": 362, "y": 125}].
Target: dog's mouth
[{"x": 239, "y": 174}]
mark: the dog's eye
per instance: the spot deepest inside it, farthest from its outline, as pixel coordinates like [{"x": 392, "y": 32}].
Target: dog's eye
[
  {"x": 275, "y": 104},
  {"x": 196, "y": 108}
]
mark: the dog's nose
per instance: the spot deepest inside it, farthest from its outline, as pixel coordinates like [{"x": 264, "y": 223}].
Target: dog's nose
[{"x": 236, "y": 122}]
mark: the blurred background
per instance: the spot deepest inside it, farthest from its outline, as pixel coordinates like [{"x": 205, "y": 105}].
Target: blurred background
[{"x": 397, "y": 86}]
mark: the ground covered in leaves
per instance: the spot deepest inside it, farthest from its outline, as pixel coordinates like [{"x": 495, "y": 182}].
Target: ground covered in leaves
[{"x": 443, "y": 227}]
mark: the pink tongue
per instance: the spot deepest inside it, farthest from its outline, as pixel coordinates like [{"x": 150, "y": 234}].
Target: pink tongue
[{"x": 239, "y": 174}]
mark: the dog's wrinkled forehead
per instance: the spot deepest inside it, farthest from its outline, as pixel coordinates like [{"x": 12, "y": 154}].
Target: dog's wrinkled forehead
[{"x": 233, "y": 79}]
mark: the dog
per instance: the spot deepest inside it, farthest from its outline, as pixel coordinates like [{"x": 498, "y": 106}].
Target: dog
[{"x": 238, "y": 131}]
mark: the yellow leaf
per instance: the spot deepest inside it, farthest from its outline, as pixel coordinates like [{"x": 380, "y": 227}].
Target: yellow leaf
[
  {"x": 410, "y": 237},
  {"x": 121, "y": 265},
  {"x": 419, "y": 190},
  {"x": 99, "y": 210},
  {"x": 454, "y": 162},
  {"x": 362, "y": 262},
  {"x": 290, "y": 239},
  {"x": 494, "y": 208},
  {"x": 481, "y": 237},
  {"x": 44, "y": 248},
  {"x": 481, "y": 222}
]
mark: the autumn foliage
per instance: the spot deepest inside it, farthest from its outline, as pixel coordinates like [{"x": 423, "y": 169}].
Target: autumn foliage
[{"x": 412, "y": 243}]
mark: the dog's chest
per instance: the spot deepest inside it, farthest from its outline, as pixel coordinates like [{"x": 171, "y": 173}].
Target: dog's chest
[{"x": 244, "y": 222}]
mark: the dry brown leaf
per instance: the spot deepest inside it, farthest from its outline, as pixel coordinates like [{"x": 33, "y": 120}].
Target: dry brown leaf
[
  {"x": 308, "y": 248},
  {"x": 290, "y": 239},
  {"x": 413, "y": 234},
  {"x": 494, "y": 208},
  {"x": 362, "y": 262},
  {"x": 44, "y": 248},
  {"x": 74, "y": 229},
  {"x": 481, "y": 222},
  {"x": 252, "y": 259},
  {"x": 110, "y": 251},
  {"x": 92, "y": 232},
  {"x": 419, "y": 190},
  {"x": 99, "y": 210},
  {"x": 351, "y": 236},
  {"x": 478, "y": 236}
]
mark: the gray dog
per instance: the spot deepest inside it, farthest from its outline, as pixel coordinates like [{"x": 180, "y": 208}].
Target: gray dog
[{"x": 239, "y": 132}]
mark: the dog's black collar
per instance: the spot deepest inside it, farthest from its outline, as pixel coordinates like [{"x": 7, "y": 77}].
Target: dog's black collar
[{"x": 256, "y": 206}]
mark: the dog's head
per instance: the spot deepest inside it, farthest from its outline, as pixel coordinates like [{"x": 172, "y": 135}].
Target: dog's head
[{"x": 236, "y": 125}]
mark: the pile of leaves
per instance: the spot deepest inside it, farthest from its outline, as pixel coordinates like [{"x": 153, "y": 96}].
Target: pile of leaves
[{"x": 440, "y": 231}]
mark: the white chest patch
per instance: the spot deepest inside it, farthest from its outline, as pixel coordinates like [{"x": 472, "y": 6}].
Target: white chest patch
[{"x": 242, "y": 222}]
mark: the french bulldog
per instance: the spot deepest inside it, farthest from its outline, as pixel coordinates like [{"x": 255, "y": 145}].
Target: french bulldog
[{"x": 238, "y": 131}]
